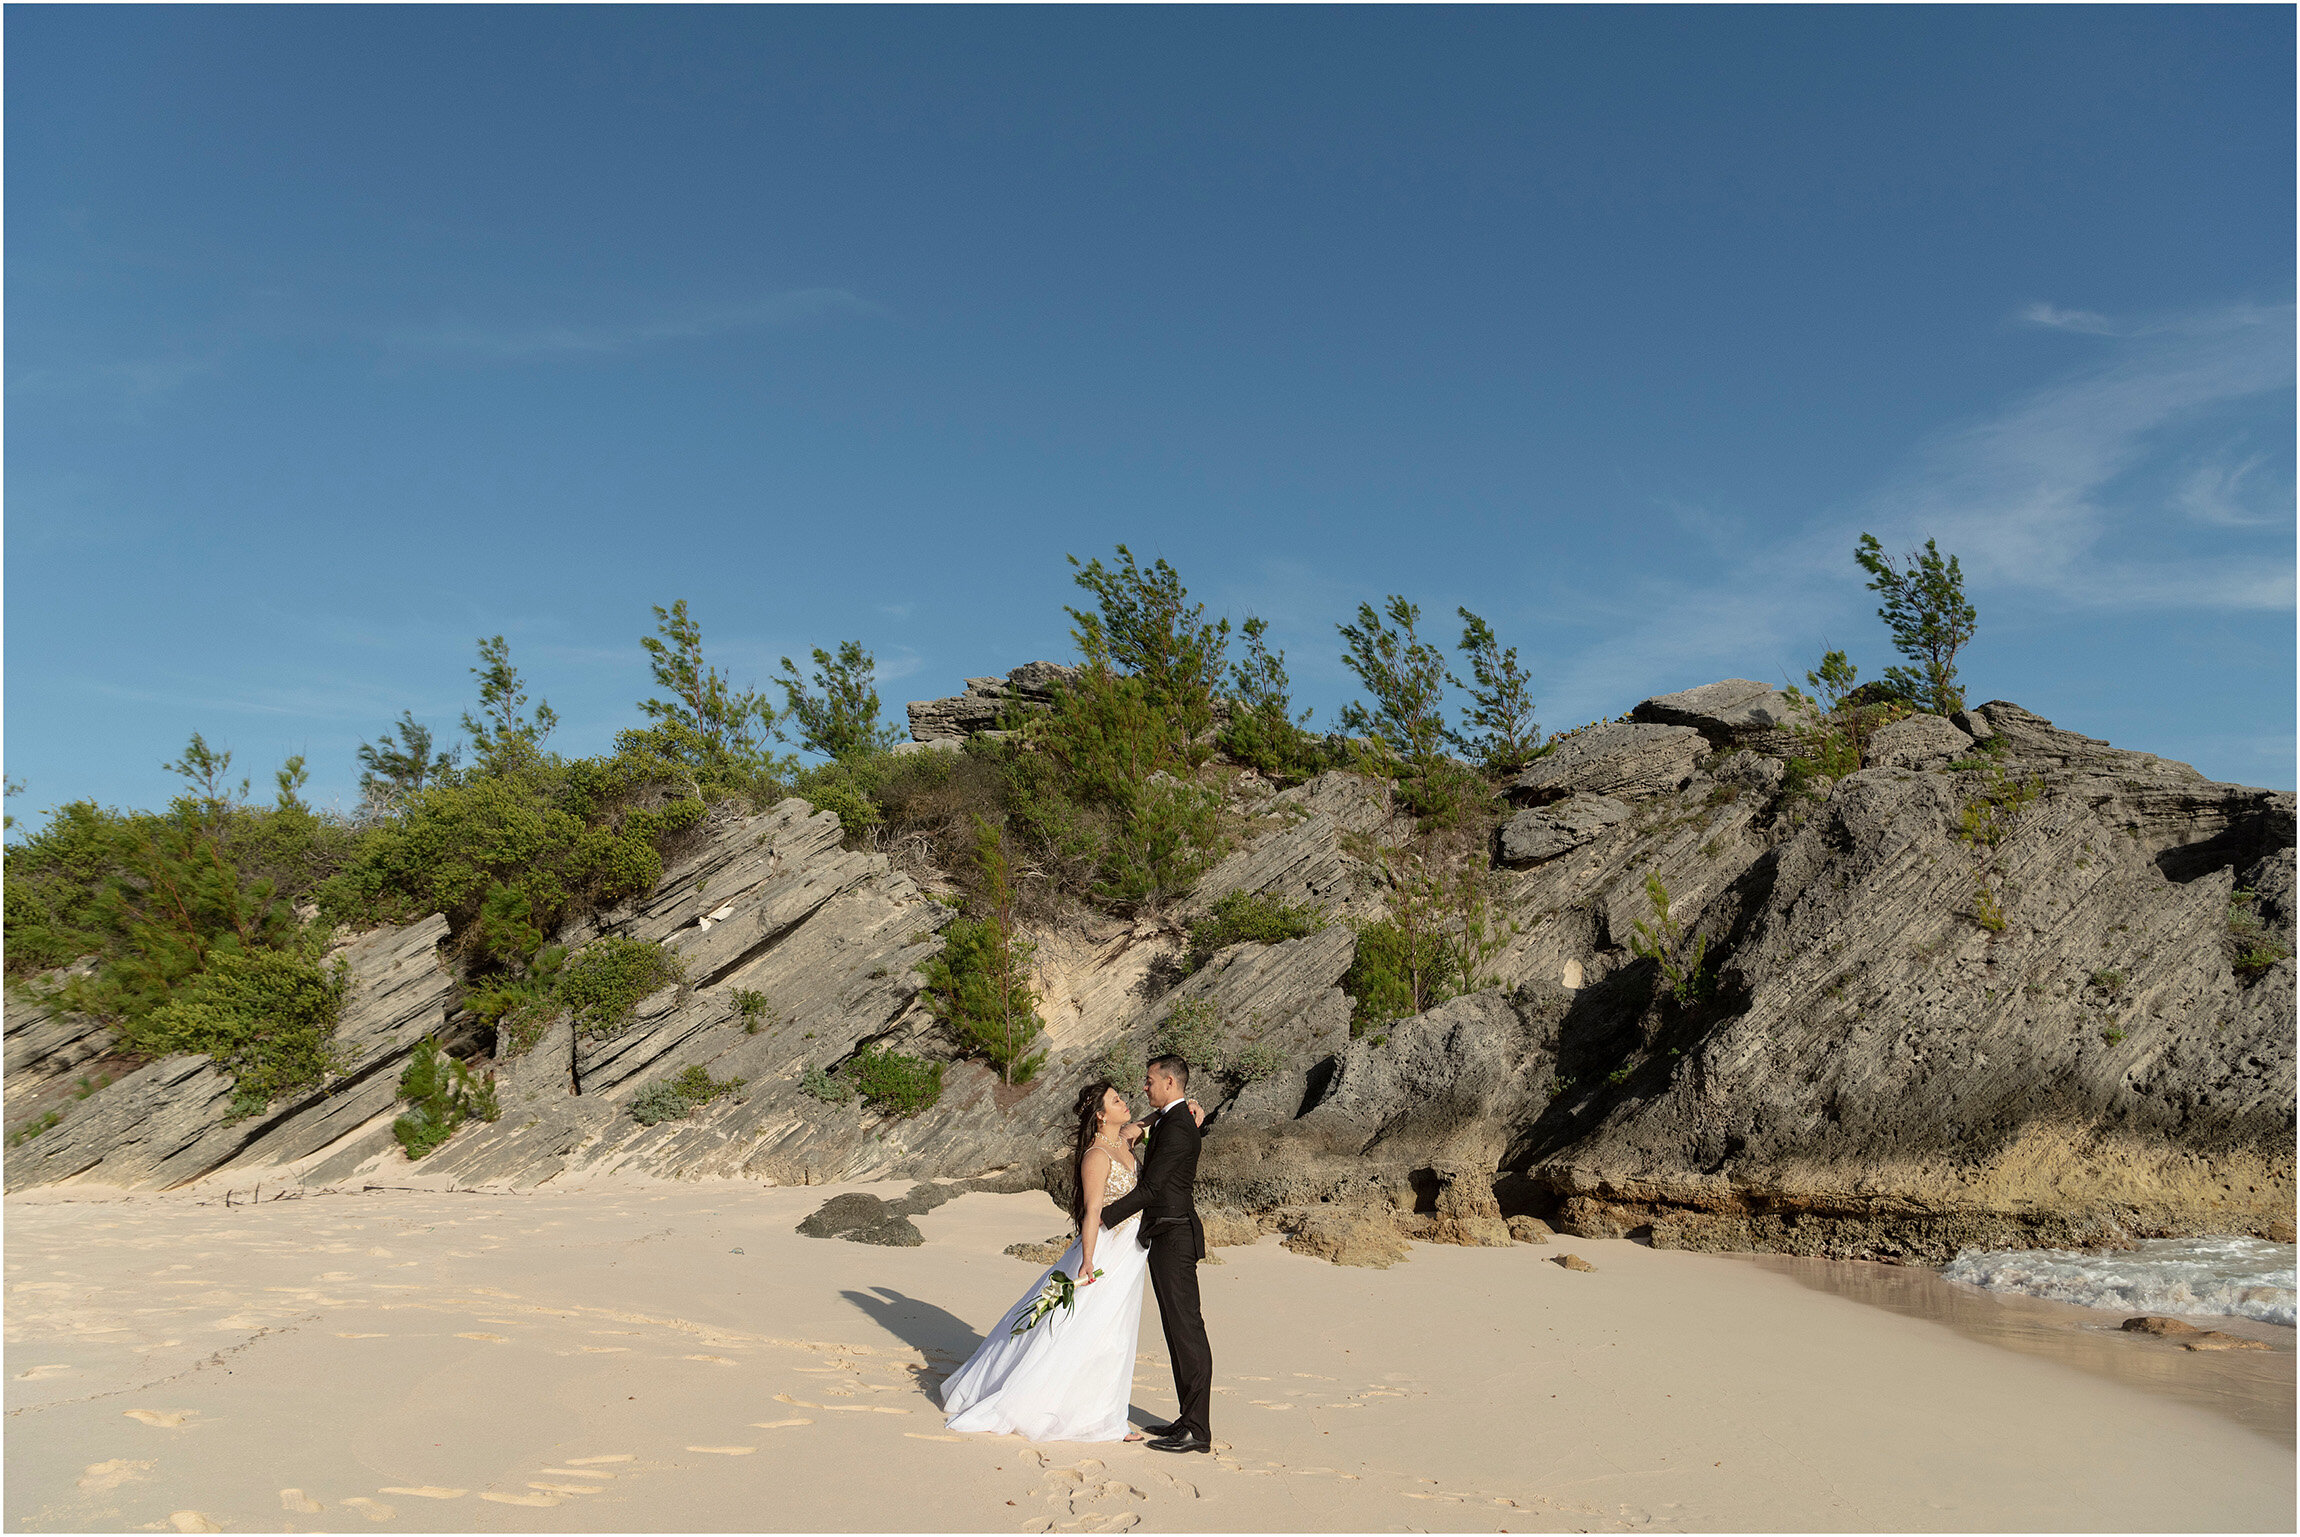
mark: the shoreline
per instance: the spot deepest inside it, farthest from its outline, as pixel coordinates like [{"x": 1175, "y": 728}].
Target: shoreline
[
  {"x": 2254, "y": 1389},
  {"x": 627, "y": 1355}
]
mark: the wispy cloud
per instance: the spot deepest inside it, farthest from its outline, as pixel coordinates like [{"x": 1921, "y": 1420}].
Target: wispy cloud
[
  {"x": 129, "y": 382},
  {"x": 515, "y": 343},
  {"x": 2028, "y": 497},
  {"x": 2222, "y": 491},
  {"x": 2055, "y": 318}
]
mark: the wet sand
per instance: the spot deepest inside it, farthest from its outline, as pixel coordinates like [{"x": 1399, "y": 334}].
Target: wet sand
[
  {"x": 621, "y": 1356},
  {"x": 2255, "y": 1389}
]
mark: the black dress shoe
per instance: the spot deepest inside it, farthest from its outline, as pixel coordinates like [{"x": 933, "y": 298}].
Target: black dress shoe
[
  {"x": 1181, "y": 1443},
  {"x": 1160, "y": 1430}
]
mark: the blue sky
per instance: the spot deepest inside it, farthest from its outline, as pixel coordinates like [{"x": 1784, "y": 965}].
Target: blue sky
[{"x": 339, "y": 337}]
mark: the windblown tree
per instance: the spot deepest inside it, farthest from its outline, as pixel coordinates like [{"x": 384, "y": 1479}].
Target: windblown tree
[
  {"x": 1263, "y": 732},
  {"x": 841, "y": 720},
  {"x": 1498, "y": 729},
  {"x": 1145, "y": 626},
  {"x": 1931, "y": 620},
  {"x": 503, "y": 733},
  {"x": 719, "y": 733},
  {"x": 1404, "y": 678},
  {"x": 400, "y": 762}
]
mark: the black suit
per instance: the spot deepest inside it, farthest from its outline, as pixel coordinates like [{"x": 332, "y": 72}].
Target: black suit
[{"x": 1176, "y": 1240}]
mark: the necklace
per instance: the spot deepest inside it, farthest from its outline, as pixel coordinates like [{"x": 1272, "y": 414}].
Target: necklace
[{"x": 1101, "y": 1140}]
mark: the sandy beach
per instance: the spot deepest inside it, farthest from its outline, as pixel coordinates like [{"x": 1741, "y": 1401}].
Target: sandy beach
[{"x": 673, "y": 1357}]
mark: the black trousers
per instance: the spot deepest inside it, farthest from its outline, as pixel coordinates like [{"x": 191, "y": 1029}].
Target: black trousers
[{"x": 1174, "y": 1277}]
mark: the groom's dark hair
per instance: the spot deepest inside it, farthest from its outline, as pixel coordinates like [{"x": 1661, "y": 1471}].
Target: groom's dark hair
[{"x": 1175, "y": 1068}]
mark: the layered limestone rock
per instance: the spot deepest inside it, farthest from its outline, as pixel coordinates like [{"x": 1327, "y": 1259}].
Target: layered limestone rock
[
  {"x": 985, "y": 702},
  {"x": 1732, "y": 712},
  {"x": 1628, "y": 760},
  {"x": 170, "y": 1122},
  {"x": 2011, "y": 985}
]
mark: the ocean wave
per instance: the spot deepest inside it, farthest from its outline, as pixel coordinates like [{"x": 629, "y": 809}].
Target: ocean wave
[{"x": 2227, "y": 1277}]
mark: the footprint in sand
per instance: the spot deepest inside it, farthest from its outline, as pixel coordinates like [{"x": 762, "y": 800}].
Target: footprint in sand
[
  {"x": 584, "y": 1462},
  {"x": 191, "y": 1521},
  {"x": 785, "y": 1424},
  {"x": 570, "y": 1473},
  {"x": 493, "y": 1339},
  {"x": 363, "y": 1336},
  {"x": 297, "y": 1501},
  {"x": 42, "y": 1373},
  {"x": 167, "y": 1420},
  {"x": 725, "y": 1451},
  {"x": 721, "y": 1360},
  {"x": 110, "y": 1475},
  {"x": 374, "y": 1510},
  {"x": 603, "y": 1350},
  {"x": 569, "y": 1488},
  {"x": 501, "y": 1498},
  {"x": 785, "y": 1398},
  {"x": 425, "y": 1491}
]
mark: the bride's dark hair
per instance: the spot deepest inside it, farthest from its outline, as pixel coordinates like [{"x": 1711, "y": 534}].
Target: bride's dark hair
[{"x": 1089, "y": 1113}]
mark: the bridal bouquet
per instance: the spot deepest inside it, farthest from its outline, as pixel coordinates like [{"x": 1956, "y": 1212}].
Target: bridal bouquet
[{"x": 1059, "y": 1291}]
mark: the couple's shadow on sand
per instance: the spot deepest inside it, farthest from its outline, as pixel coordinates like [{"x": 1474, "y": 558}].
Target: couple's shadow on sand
[{"x": 940, "y": 1335}]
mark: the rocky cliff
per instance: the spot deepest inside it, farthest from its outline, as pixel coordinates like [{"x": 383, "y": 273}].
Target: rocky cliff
[{"x": 2010, "y": 985}]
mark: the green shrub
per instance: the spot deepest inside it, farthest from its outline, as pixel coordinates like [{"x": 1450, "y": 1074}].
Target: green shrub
[
  {"x": 1432, "y": 944},
  {"x": 267, "y": 1017},
  {"x": 674, "y": 1099},
  {"x": 980, "y": 984},
  {"x": 1195, "y": 1032},
  {"x": 525, "y": 850},
  {"x": 441, "y": 1095},
  {"x": 603, "y": 982},
  {"x": 1840, "y": 722},
  {"x": 822, "y": 1086},
  {"x": 1660, "y": 939},
  {"x": 895, "y": 1084},
  {"x": 751, "y": 1008},
  {"x": 2252, "y": 960},
  {"x": 1101, "y": 793},
  {"x": 1398, "y": 971},
  {"x": 1248, "y": 918},
  {"x": 34, "y": 1127},
  {"x": 1990, "y": 817},
  {"x": 2108, "y": 980},
  {"x": 1988, "y": 911}
]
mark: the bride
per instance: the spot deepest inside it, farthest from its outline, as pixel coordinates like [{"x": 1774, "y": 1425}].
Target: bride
[{"x": 1069, "y": 1377}]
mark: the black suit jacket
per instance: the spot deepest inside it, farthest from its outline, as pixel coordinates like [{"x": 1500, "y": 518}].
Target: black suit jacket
[{"x": 1163, "y": 1194}]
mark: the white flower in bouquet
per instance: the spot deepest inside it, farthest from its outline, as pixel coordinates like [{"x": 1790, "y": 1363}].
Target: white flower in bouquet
[{"x": 1059, "y": 1291}]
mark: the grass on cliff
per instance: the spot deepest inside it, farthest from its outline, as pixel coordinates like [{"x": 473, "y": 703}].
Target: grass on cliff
[{"x": 679, "y": 1097}]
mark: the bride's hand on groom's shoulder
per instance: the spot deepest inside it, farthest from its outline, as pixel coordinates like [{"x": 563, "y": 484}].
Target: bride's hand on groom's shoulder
[{"x": 1197, "y": 1111}]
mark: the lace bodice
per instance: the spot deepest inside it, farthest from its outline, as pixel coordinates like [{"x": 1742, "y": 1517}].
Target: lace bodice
[{"x": 1120, "y": 1182}]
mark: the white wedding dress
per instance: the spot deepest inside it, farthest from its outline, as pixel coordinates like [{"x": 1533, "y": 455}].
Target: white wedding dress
[{"x": 1071, "y": 1377}]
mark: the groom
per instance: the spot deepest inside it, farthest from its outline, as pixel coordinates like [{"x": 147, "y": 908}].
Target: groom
[{"x": 1176, "y": 1240}]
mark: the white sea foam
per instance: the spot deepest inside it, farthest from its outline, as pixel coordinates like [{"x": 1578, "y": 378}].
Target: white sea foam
[{"x": 2234, "y": 1277}]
